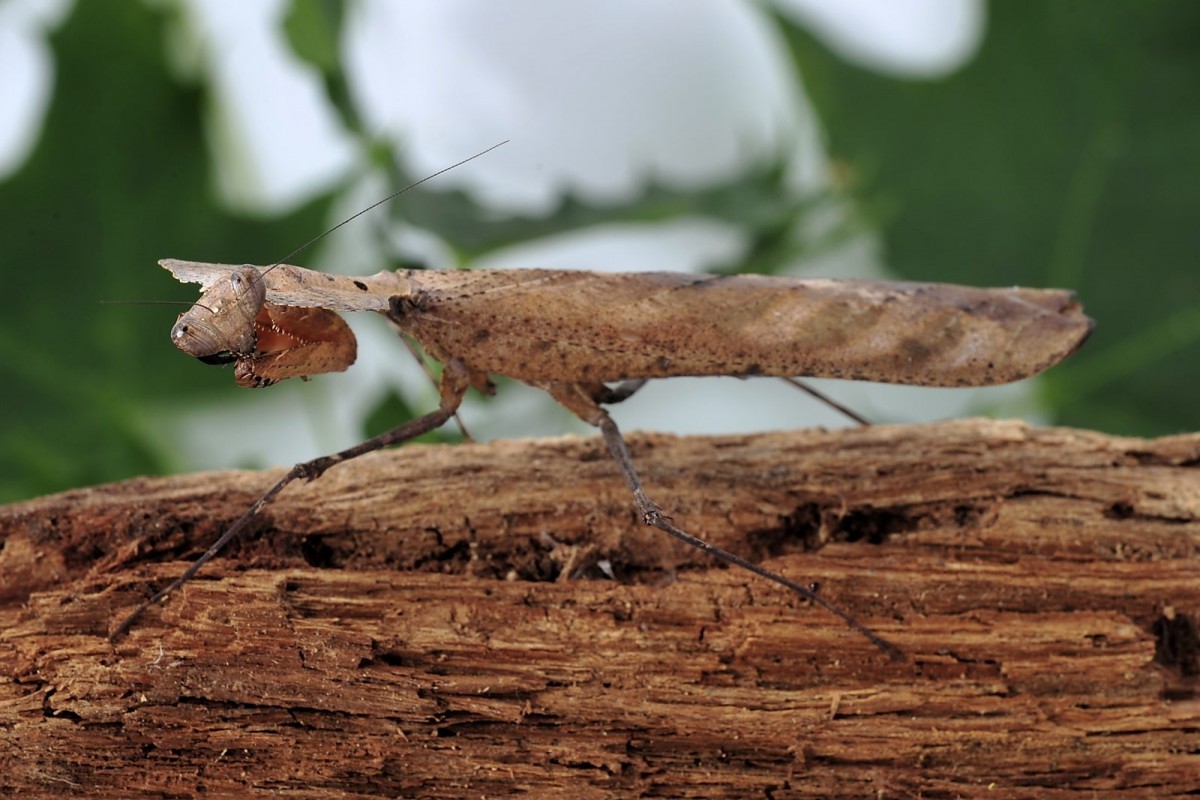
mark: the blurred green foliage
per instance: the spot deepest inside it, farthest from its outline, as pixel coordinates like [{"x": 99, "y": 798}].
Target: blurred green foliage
[{"x": 1064, "y": 154}]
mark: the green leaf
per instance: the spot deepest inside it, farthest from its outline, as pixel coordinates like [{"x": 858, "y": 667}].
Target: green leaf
[{"x": 314, "y": 28}]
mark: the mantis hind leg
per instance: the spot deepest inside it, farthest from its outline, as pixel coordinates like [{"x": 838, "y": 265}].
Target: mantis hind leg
[{"x": 584, "y": 400}]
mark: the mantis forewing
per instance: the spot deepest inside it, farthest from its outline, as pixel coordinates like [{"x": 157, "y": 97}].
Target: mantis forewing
[
  {"x": 542, "y": 326},
  {"x": 572, "y": 333}
]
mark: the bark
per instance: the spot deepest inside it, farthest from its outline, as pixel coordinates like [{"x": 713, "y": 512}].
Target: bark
[{"x": 487, "y": 620}]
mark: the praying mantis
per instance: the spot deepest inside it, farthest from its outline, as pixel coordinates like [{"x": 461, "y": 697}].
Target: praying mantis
[{"x": 593, "y": 339}]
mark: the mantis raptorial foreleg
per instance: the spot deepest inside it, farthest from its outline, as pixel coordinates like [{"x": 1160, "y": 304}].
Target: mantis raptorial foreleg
[{"x": 293, "y": 343}]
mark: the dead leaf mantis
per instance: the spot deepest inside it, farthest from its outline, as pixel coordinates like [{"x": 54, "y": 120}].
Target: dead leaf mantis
[{"x": 573, "y": 334}]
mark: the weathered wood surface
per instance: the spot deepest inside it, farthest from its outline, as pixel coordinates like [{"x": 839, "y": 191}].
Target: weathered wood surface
[{"x": 409, "y": 625}]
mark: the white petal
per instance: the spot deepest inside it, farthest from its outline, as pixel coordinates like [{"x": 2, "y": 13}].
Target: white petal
[
  {"x": 596, "y": 97},
  {"x": 911, "y": 38},
  {"x": 277, "y": 142},
  {"x": 26, "y": 75}
]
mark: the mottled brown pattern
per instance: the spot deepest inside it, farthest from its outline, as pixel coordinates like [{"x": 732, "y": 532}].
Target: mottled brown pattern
[
  {"x": 559, "y": 326},
  {"x": 662, "y": 325}
]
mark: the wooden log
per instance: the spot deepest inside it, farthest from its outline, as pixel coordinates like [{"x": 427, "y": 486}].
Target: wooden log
[{"x": 488, "y": 620}]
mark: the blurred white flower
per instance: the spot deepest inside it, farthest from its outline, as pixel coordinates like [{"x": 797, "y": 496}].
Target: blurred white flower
[
  {"x": 908, "y": 39},
  {"x": 26, "y": 75},
  {"x": 276, "y": 141}
]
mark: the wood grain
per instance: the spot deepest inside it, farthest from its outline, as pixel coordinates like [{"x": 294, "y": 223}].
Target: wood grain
[{"x": 438, "y": 622}]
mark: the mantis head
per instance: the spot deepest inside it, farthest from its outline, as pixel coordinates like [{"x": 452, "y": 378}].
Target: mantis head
[{"x": 233, "y": 322}]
